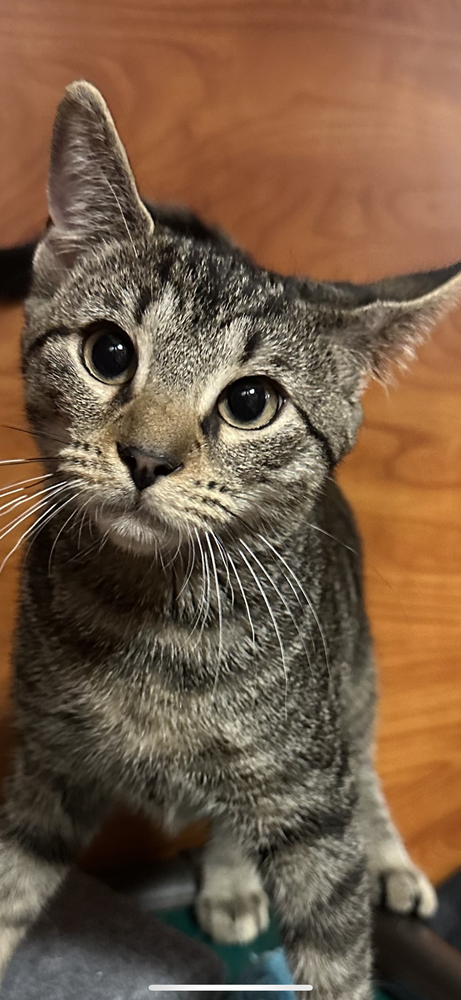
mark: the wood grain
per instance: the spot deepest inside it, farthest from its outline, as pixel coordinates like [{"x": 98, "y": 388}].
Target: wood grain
[{"x": 326, "y": 138}]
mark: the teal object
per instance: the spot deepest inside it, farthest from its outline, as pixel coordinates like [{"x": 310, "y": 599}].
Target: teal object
[
  {"x": 236, "y": 957},
  {"x": 267, "y": 969},
  {"x": 261, "y": 962}
]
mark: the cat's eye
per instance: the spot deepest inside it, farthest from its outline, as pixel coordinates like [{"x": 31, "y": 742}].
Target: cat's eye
[
  {"x": 109, "y": 353},
  {"x": 249, "y": 403}
]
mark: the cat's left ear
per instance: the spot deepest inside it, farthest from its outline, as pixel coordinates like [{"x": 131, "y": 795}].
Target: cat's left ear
[
  {"x": 383, "y": 322},
  {"x": 92, "y": 194}
]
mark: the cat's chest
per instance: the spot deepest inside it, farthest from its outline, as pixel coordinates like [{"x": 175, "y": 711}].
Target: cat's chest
[
  {"x": 182, "y": 749},
  {"x": 153, "y": 714},
  {"x": 159, "y": 689},
  {"x": 152, "y": 629}
]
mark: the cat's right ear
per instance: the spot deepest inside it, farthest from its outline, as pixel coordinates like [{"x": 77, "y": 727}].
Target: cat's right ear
[{"x": 92, "y": 194}]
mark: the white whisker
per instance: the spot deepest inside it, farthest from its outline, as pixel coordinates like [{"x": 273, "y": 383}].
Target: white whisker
[
  {"x": 224, "y": 558},
  {"x": 279, "y": 594},
  {"x": 57, "y": 489},
  {"x": 208, "y": 592},
  {"x": 273, "y": 620},
  {"x": 16, "y": 487},
  {"x": 306, "y": 597},
  {"x": 82, "y": 522},
  {"x": 322, "y": 531},
  {"x": 219, "y": 603},
  {"x": 190, "y": 564},
  {"x": 244, "y": 598},
  {"x": 204, "y": 603},
  {"x": 18, "y": 520},
  {"x": 62, "y": 528},
  {"x": 104, "y": 540},
  {"x": 18, "y": 501},
  {"x": 45, "y": 517},
  {"x": 199, "y": 609},
  {"x": 40, "y": 523},
  {"x": 94, "y": 543},
  {"x": 173, "y": 558},
  {"x": 206, "y": 584},
  {"x": 19, "y": 461}
]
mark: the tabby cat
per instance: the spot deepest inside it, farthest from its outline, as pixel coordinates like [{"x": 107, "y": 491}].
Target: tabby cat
[{"x": 191, "y": 637}]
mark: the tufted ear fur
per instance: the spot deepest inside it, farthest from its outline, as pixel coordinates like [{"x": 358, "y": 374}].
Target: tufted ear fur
[
  {"x": 383, "y": 322},
  {"x": 92, "y": 195}
]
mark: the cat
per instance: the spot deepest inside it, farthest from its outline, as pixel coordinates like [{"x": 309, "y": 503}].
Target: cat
[{"x": 191, "y": 637}]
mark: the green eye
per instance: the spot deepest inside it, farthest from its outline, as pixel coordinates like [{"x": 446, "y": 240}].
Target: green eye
[
  {"x": 249, "y": 403},
  {"x": 109, "y": 354}
]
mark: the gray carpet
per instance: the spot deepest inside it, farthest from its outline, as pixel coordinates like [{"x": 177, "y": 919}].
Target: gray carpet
[{"x": 92, "y": 944}]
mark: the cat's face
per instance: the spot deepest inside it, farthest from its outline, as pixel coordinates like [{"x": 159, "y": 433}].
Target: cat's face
[
  {"x": 179, "y": 388},
  {"x": 188, "y": 394}
]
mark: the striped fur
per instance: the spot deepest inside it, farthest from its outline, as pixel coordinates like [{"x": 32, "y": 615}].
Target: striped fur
[{"x": 201, "y": 649}]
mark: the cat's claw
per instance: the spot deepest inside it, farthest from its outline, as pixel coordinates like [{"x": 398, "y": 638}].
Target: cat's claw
[
  {"x": 236, "y": 918},
  {"x": 404, "y": 890}
]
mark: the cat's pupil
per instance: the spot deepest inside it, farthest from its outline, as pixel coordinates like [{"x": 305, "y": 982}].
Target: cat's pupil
[
  {"x": 112, "y": 354},
  {"x": 247, "y": 399}
]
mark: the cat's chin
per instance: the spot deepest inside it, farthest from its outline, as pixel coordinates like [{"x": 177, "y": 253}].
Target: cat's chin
[{"x": 131, "y": 534}]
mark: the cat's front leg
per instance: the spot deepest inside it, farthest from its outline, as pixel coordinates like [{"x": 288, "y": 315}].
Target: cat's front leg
[
  {"x": 320, "y": 890},
  {"x": 232, "y": 905},
  {"x": 44, "y": 822},
  {"x": 395, "y": 880}
]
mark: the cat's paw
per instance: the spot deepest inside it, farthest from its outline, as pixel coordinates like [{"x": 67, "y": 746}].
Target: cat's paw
[
  {"x": 233, "y": 917},
  {"x": 404, "y": 889}
]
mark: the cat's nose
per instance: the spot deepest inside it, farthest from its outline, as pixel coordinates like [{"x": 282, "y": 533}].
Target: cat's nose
[{"x": 146, "y": 467}]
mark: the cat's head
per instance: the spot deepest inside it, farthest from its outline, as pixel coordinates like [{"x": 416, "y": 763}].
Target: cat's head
[{"x": 181, "y": 388}]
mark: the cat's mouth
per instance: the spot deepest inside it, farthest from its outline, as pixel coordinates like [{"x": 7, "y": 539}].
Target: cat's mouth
[{"x": 137, "y": 530}]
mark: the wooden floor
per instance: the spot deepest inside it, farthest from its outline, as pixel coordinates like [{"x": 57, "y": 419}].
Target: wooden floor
[{"x": 326, "y": 138}]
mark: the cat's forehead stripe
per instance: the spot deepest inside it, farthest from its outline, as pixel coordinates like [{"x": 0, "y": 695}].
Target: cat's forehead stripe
[
  {"x": 55, "y": 332},
  {"x": 251, "y": 346},
  {"x": 143, "y": 303}
]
